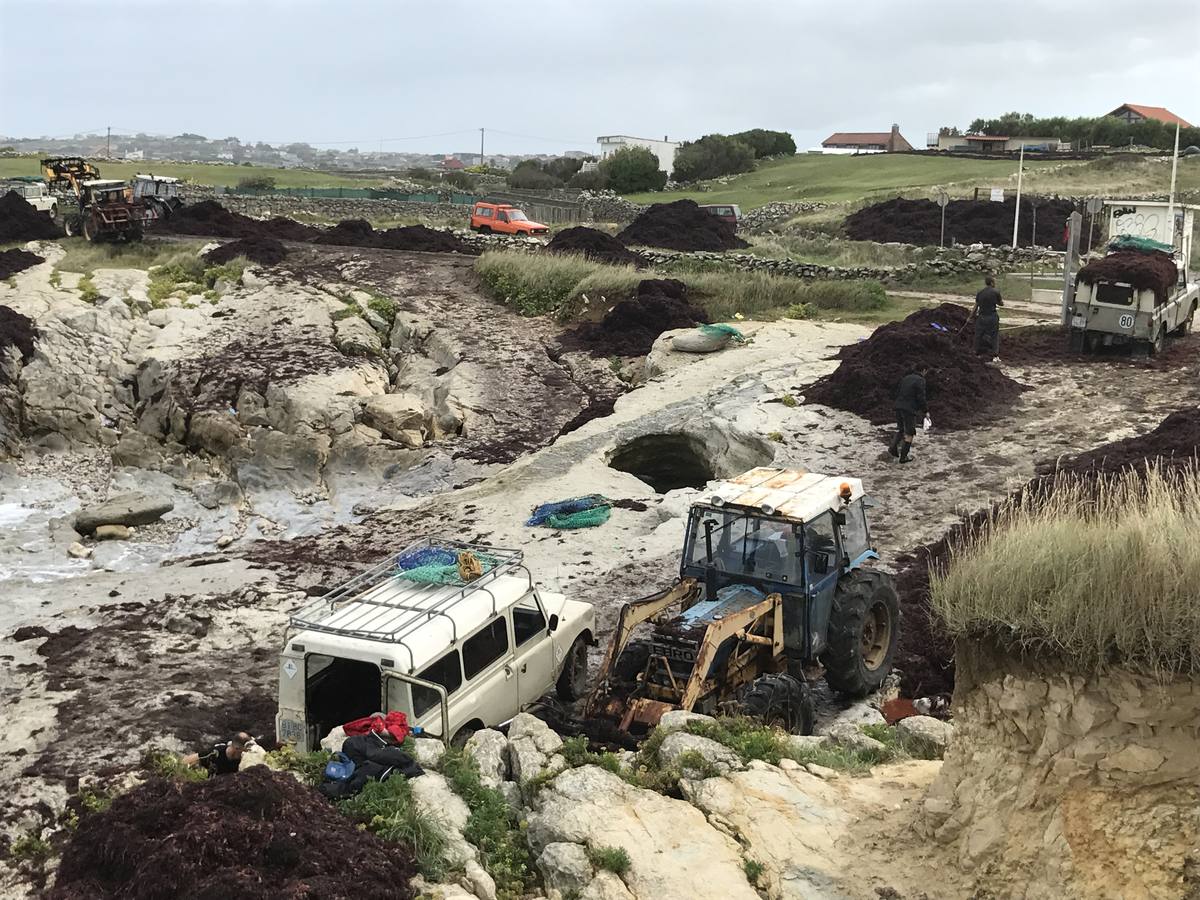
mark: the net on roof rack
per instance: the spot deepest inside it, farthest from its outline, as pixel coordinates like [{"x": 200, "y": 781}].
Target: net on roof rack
[{"x": 439, "y": 565}]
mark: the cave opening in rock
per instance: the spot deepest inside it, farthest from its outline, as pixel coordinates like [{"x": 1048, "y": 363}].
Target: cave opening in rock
[{"x": 665, "y": 461}]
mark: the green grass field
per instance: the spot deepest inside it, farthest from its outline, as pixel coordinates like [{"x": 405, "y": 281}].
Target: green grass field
[
  {"x": 198, "y": 173},
  {"x": 846, "y": 179}
]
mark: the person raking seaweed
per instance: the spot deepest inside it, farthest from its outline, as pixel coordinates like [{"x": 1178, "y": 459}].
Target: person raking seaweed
[
  {"x": 910, "y": 403},
  {"x": 987, "y": 319}
]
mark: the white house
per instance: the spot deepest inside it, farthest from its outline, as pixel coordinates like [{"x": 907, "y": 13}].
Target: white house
[{"x": 664, "y": 149}]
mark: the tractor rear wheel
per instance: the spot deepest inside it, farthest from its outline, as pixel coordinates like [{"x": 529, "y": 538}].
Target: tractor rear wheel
[
  {"x": 779, "y": 699},
  {"x": 632, "y": 661},
  {"x": 864, "y": 629},
  {"x": 90, "y": 232}
]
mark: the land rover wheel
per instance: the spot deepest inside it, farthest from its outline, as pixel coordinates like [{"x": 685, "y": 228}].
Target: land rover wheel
[
  {"x": 572, "y": 680},
  {"x": 53, "y": 210},
  {"x": 1185, "y": 327},
  {"x": 864, "y": 628},
  {"x": 782, "y": 700},
  {"x": 1160, "y": 341}
]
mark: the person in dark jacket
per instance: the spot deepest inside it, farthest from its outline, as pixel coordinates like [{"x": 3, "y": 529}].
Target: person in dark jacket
[
  {"x": 987, "y": 319},
  {"x": 910, "y": 403},
  {"x": 222, "y": 758}
]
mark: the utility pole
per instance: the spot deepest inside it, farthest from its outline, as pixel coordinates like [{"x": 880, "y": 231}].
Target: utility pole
[
  {"x": 1171, "y": 195},
  {"x": 1017, "y": 210},
  {"x": 481, "y": 147},
  {"x": 108, "y": 150}
]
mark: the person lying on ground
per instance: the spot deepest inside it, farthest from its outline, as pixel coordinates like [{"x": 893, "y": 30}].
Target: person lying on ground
[{"x": 223, "y": 757}]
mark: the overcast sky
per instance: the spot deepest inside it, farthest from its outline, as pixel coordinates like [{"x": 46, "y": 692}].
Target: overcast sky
[{"x": 544, "y": 77}]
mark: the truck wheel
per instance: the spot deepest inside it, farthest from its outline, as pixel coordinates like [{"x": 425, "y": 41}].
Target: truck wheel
[
  {"x": 782, "y": 700},
  {"x": 1185, "y": 327},
  {"x": 572, "y": 680},
  {"x": 485, "y": 229},
  {"x": 632, "y": 661},
  {"x": 864, "y": 629},
  {"x": 1159, "y": 343}
]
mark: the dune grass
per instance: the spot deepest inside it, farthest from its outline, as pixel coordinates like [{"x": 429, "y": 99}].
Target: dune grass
[
  {"x": 83, "y": 256},
  {"x": 1095, "y": 572},
  {"x": 572, "y": 287}
]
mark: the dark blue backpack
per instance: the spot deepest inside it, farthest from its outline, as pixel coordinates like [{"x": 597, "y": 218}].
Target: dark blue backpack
[{"x": 340, "y": 768}]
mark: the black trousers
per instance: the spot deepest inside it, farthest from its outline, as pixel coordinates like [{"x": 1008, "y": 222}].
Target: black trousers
[
  {"x": 906, "y": 425},
  {"x": 987, "y": 335}
]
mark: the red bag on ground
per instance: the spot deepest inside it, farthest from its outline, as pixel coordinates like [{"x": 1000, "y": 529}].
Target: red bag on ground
[{"x": 394, "y": 723}]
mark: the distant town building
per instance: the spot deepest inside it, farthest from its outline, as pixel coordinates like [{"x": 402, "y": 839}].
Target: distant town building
[
  {"x": 867, "y": 141},
  {"x": 996, "y": 143},
  {"x": 135, "y": 154},
  {"x": 451, "y": 164},
  {"x": 664, "y": 149},
  {"x": 1132, "y": 112}
]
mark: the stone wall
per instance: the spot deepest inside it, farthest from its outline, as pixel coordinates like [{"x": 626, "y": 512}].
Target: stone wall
[
  {"x": 1060, "y": 784},
  {"x": 335, "y": 209},
  {"x": 978, "y": 258}
]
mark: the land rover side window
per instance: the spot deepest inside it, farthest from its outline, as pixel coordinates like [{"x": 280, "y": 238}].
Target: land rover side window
[
  {"x": 819, "y": 547},
  {"x": 483, "y": 649},
  {"x": 528, "y": 621},
  {"x": 484, "y": 211},
  {"x": 1119, "y": 294},
  {"x": 854, "y": 532},
  {"x": 447, "y": 672}
]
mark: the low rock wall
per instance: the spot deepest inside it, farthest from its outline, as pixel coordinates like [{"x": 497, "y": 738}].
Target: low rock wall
[
  {"x": 337, "y": 208},
  {"x": 1064, "y": 785}
]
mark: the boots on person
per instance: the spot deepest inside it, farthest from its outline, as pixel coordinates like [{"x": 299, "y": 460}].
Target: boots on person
[
  {"x": 894, "y": 446},
  {"x": 905, "y": 447}
]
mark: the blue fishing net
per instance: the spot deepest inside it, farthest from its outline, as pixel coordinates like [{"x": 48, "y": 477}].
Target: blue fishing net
[
  {"x": 577, "y": 512},
  {"x": 438, "y": 565}
]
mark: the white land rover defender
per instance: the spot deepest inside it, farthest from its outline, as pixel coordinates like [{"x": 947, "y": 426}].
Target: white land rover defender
[{"x": 454, "y": 635}]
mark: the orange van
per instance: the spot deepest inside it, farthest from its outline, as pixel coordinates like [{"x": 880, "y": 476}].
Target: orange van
[{"x": 503, "y": 219}]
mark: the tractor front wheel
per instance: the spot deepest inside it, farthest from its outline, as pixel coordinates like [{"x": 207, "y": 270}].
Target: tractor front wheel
[
  {"x": 782, "y": 700},
  {"x": 90, "y": 232},
  {"x": 864, "y": 629}
]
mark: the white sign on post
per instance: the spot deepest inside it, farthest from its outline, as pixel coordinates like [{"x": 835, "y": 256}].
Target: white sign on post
[{"x": 998, "y": 195}]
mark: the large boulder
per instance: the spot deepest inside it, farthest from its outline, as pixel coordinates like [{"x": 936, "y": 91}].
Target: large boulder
[
  {"x": 532, "y": 748},
  {"x": 565, "y": 866},
  {"x": 680, "y": 746},
  {"x": 489, "y": 749},
  {"x": 400, "y": 417},
  {"x": 678, "y": 719},
  {"x": 134, "y": 508},
  {"x": 673, "y": 850},
  {"x": 925, "y": 736},
  {"x": 852, "y": 738},
  {"x": 354, "y": 337},
  {"x": 437, "y": 801}
]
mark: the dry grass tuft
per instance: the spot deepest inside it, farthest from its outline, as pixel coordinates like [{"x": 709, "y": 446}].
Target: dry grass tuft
[{"x": 1098, "y": 571}]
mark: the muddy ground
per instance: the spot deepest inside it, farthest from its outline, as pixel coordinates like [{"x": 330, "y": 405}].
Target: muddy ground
[{"x": 142, "y": 655}]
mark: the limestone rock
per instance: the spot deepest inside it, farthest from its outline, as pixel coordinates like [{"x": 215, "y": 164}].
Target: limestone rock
[
  {"x": 680, "y": 744},
  {"x": 437, "y": 800},
  {"x": 851, "y": 738},
  {"x": 215, "y": 494},
  {"x": 860, "y": 713},
  {"x": 606, "y": 886},
  {"x": 673, "y": 850},
  {"x": 78, "y": 551},
  {"x": 126, "y": 509},
  {"x": 428, "y": 752},
  {"x": 354, "y": 337},
  {"x": 401, "y": 417},
  {"x": 489, "y": 749},
  {"x": 565, "y": 866},
  {"x": 113, "y": 533},
  {"x": 678, "y": 719},
  {"x": 805, "y": 742},
  {"x": 925, "y": 736},
  {"x": 138, "y": 450},
  {"x": 532, "y": 747}
]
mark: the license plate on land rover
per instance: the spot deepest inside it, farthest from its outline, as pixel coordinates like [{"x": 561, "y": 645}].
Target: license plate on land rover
[{"x": 1078, "y": 321}]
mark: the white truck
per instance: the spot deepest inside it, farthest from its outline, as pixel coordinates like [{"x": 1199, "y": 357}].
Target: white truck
[
  {"x": 1114, "y": 311},
  {"x": 35, "y": 192},
  {"x": 454, "y": 657}
]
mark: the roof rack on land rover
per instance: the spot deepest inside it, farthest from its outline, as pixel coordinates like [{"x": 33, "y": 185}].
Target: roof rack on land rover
[{"x": 381, "y": 605}]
